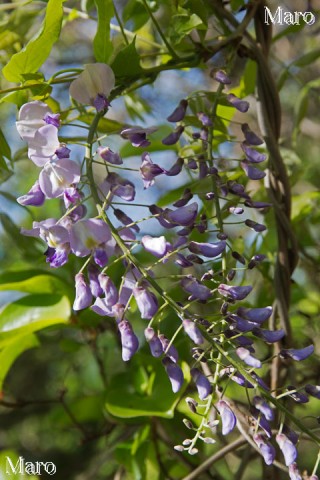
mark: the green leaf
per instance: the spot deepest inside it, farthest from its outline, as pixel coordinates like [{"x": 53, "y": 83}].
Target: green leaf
[
  {"x": 4, "y": 146},
  {"x": 32, "y": 313},
  {"x": 158, "y": 400},
  {"x": 35, "y": 53},
  {"x": 127, "y": 62},
  {"x": 135, "y": 12},
  {"x": 32, "y": 281},
  {"x": 106, "y": 125},
  {"x": 183, "y": 24},
  {"x": 12, "y": 351},
  {"x": 307, "y": 58},
  {"x": 102, "y": 44}
]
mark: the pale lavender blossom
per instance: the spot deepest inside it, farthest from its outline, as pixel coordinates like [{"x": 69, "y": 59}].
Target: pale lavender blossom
[
  {"x": 203, "y": 385},
  {"x": 244, "y": 354},
  {"x": 267, "y": 450},
  {"x": 110, "y": 291},
  {"x": 137, "y": 135},
  {"x": 87, "y": 235},
  {"x": 174, "y": 373},
  {"x": 121, "y": 187},
  {"x": 83, "y": 293},
  {"x": 109, "y": 156},
  {"x": 154, "y": 342},
  {"x": 287, "y": 447},
  {"x": 147, "y": 302},
  {"x": 56, "y": 177},
  {"x": 34, "y": 197},
  {"x": 222, "y": 77},
  {"x": 294, "y": 473},
  {"x": 93, "y": 86},
  {"x": 193, "y": 331},
  {"x": 155, "y": 245},
  {"x": 204, "y": 119},
  {"x": 93, "y": 275},
  {"x": 32, "y": 116},
  {"x": 228, "y": 418},
  {"x": 129, "y": 340},
  {"x": 209, "y": 250},
  {"x": 42, "y": 147},
  {"x": 263, "y": 407}
]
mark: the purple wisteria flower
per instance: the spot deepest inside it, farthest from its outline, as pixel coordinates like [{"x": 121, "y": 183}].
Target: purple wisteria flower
[
  {"x": 235, "y": 293},
  {"x": 83, "y": 293},
  {"x": 203, "y": 385},
  {"x": 269, "y": 336},
  {"x": 258, "y": 315},
  {"x": 93, "y": 275},
  {"x": 267, "y": 450},
  {"x": 198, "y": 291},
  {"x": 149, "y": 170},
  {"x": 56, "y": 177},
  {"x": 129, "y": 340},
  {"x": 147, "y": 302},
  {"x": 222, "y": 77},
  {"x": 137, "y": 135},
  {"x": 193, "y": 331},
  {"x": 34, "y": 197},
  {"x": 171, "y": 352},
  {"x": 209, "y": 250},
  {"x": 228, "y": 418},
  {"x": 173, "y": 137},
  {"x": 121, "y": 187},
  {"x": 204, "y": 119},
  {"x": 313, "y": 390},
  {"x": 250, "y": 136},
  {"x": 174, "y": 373},
  {"x": 33, "y": 116},
  {"x": 253, "y": 155},
  {"x": 297, "y": 354},
  {"x": 294, "y": 473},
  {"x": 252, "y": 172},
  {"x": 109, "y": 156},
  {"x": 263, "y": 407},
  {"x": 110, "y": 291},
  {"x": 298, "y": 397},
  {"x": 176, "y": 168},
  {"x": 179, "y": 113},
  {"x": 156, "y": 245},
  {"x": 184, "y": 216},
  {"x": 154, "y": 341},
  {"x": 93, "y": 86},
  {"x": 87, "y": 235},
  {"x": 43, "y": 146},
  {"x": 287, "y": 447},
  {"x": 245, "y": 355},
  {"x": 261, "y": 421},
  {"x": 237, "y": 103},
  {"x": 257, "y": 227}
]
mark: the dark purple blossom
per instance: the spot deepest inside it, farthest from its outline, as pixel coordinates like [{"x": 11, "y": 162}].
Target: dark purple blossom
[
  {"x": 149, "y": 170},
  {"x": 129, "y": 340},
  {"x": 52, "y": 119},
  {"x": 198, "y": 291},
  {"x": 63, "y": 151},
  {"x": 34, "y": 197},
  {"x": 95, "y": 287},
  {"x": 56, "y": 257},
  {"x": 193, "y": 331},
  {"x": 176, "y": 168},
  {"x": 187, "y": 195},
  {"x": 203, "y": 385},
  {"x": 137, "y": 135},
  {"x": 209, "y": 250},
  {"x": 267, "y": 450},
  {"x": 222, "y": 77},
  {"x": 262, "y": 421},
  {"x": 109, "y": 156},
  {"x": 255, "y": 260},
  {"x": 237, "y": 103},
  {"x": 252, "y": 172},
  {"x": 313, "y": 390},
  {"x": 101, "y": 102},
  {"x": 236, "y": 293},
  {"x": 287, "y": 447},
  {"x": 236, "y": 377},
  {"x": 297, "y": 354},
  {"x": 269, "y": 336},
  {"x": 179, "y": 113},
  {"x": 250, "y": 136},
  {"x": 147, "y": 302},
  {"x": 154, "y": 341},
  {"x": 258, "y": 315},
  {"x": 253, "y": 155},
  {"x": 83, "y": 293},
  {"x": 298, "y": 397},
  {"x": 228, "y": 418},
  {"x": 125, "y": 220},
  {"x": 174, "y": 373},
  {"x": 173, "y": 137},
  {"x": 171, "y": 352},
  {"x": 184, "y": 216}
]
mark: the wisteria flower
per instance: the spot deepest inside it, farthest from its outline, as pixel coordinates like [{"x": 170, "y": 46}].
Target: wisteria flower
[
  {"x": 83, "y": 293},
  {"x": 267, "y": 450},
  {"x": 129, "y": 340},
  {"x": 198, "y": 291},
  {"x": 297, "y": 354},
  {"x": 209, "y": 250},
  {"x": 241, "y": 105},
  {"x": 174, "y": 373},
  {"x": 193, "y": 331},
  {"x": 228, "y": 418},
  {"x": 33, "y": 116},
  {"x": 222, "y": 77},
  {"x": 236, "y": 293},
  {"x": 154, "y": 341},
  {"x": 87, "y": 235},
  {"x": 56, "y": 177},
  {"x": 295, "y": 474},
  {"x": 109, "y": 156},
  {"x": 178, "y": 114},
  {"x": 244, "y": 354},
  {"x": 263, "y": 407},
  {"x": 93, "y": 86},
  {"x": 149, "y": 170},
  {"x": 287, "y": 447},
  {"x": 121, "y": 187},
  {"x": 34, "y": 197},
  {"x": 137, "y": 135},
  {"x": 171, "y": 352},
  {"x": 146, "y": 301},
  {"x": 203, "y": 385},
  {"x": 173, "y": 137},
  {"x": 184, "y": 216},
  {"x": 109, "y": 289},
  {"x": 43, "y": 145},
  {"x": 156, "y": 245}
]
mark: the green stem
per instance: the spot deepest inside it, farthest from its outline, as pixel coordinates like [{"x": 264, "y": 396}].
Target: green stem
[{"x": 120, "y": 24}]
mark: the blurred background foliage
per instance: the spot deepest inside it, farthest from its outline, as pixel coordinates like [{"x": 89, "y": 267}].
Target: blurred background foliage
[{"x": 66, "y": 396}]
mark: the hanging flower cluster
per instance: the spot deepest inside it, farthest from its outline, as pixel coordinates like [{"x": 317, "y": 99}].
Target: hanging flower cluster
[{"x": 196, "y": 242}]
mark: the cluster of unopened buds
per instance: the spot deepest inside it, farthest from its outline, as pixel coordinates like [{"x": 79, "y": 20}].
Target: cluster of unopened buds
[{"x": 97, "y": 241}]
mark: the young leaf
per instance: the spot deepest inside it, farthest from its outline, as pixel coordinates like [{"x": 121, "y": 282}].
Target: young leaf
[
  {"x": 127, "y": 62},
  {"x": 35, "y": 53},
  {"x": 102, "y": 44}
]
